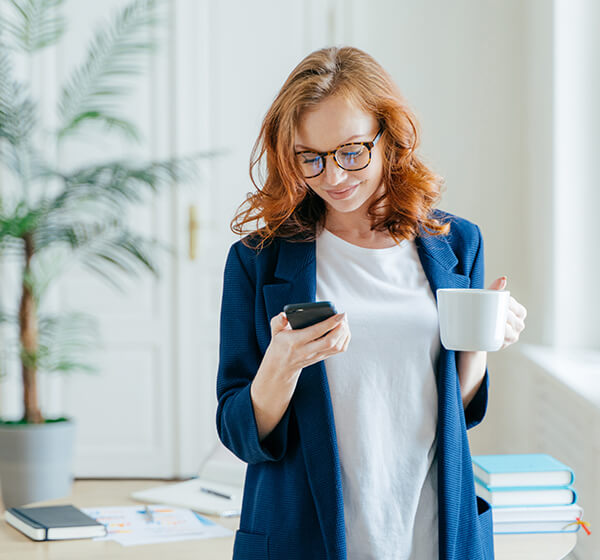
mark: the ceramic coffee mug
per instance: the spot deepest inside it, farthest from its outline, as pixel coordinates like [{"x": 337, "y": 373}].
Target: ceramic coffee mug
[{"x": 472, "y": 319}]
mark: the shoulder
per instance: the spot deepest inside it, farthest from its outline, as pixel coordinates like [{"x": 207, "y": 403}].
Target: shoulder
[
  {"x": 249, "y": 255},
  {"x": 463, "y": 234},
  {"x": 248, "y": 249}
]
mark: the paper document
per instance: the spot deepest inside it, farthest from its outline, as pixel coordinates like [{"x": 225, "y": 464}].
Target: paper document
[
  {"x": 201, "y": 495},
  {"x": 218, "y": 489},
  {"x": 135, "y": 525}
]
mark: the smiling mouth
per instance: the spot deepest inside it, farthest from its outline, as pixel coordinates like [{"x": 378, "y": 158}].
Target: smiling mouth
[{"x": 343, "y": 190}]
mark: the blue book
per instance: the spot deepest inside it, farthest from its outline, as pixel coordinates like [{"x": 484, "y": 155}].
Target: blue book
[
  {"x": 512, "y": 470},
  {"x": 542, "y": 519},
  {"x": 506, "y": 496}
]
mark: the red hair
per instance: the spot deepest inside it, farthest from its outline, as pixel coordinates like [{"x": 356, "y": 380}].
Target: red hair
[{"x": 285, "y": 206}]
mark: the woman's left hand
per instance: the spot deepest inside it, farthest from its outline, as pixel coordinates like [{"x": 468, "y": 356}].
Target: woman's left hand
[{"x": 515, "y": 317}]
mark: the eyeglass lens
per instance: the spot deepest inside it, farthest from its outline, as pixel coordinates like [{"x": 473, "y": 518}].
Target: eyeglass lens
[{"x": 350, "y": 157}]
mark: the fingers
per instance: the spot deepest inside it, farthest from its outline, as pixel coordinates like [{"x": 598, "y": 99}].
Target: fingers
[
  {"x": 516, "y": 324},
  {"x": 304, "y": 347},
  {"x": 511, "y": 335},
  {"x": 332, "y": 343},
  {"x": 279, "y": 323},
  {"x": 313, "y": 332},
  {"x": 515, "y": 316},
  {"x": 519, "y": 310},
  {"x": 346, "y": 342}
]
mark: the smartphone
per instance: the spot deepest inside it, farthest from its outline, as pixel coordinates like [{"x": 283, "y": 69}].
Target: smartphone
[{"x": 301, "y": 315}]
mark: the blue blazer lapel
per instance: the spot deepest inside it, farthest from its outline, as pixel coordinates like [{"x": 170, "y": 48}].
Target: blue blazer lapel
[
  {"x": 295, "y": 282},
  {"x": 438, "y": 260}
]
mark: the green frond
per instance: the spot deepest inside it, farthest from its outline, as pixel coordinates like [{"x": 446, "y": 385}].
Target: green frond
[
  {"x": 31, "y": 25},
  {"x": 45, "y": 268},
  {"x": 65, "y": 343},
  {"x": 21, "y": 221},
  {"x": 113, "y": 57},
  {"x": 104, "y": 248},
  {"x": 115, "y": 184},
  {"x": 8, "y": 243},
  {"x": 7, "y": 350},
  {"x": 109, "y": 122},
  {"x": 18, "y": 111},
  {"x": 125, "y": 252}
]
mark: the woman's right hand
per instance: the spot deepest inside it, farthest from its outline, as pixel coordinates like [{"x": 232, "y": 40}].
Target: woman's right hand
[{"x": 288, "y": 352}]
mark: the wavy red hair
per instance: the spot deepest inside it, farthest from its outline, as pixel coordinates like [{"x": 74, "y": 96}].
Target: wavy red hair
[{"x": 284, "y": 206}]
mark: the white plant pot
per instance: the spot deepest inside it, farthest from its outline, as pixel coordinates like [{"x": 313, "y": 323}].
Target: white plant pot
[{"x": 36, "y": 461}]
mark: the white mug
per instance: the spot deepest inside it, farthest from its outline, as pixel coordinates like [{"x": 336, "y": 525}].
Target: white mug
[{"x": 472, "y": 319}]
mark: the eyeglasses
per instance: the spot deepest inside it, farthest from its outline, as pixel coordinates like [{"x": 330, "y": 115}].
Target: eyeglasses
[{"x": 351, "y": 157}]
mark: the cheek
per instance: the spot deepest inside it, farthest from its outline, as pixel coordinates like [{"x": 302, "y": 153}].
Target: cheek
[{"x": 372, "y": 174}]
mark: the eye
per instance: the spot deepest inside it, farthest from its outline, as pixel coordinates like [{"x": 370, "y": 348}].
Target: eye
[
  {"x": 352, "y": 151},
  {"x": 309, "y": 158}
]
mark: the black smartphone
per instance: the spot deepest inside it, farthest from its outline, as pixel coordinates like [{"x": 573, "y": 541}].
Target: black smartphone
[{"x": 301, "y": 315}]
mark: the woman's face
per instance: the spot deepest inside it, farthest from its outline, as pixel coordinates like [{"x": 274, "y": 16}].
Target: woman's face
[{"x": 333, "y": 122}]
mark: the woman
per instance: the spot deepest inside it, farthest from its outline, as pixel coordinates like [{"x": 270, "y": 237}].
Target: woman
[{"x": 356, "y": 445}]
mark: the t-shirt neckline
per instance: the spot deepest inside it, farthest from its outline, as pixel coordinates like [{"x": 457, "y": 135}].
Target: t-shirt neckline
[{"x": 357, "y": 248}]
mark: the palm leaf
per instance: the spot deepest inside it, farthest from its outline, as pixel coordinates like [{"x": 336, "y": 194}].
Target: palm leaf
[
  {"x": 7, "y": 353},
  {"x": 18, "y": 111},
  {"x": 21, "y": 221},
  {"x": 125, "y": 252},
  {"x": 65, "y": 342},
  {"x": 113, "y": 185},
  {"x": 104, "y": 248},
  {"x": 30, "y": 25},
  {"x": 113, "y": 57},
  {"x": 45, "y": 267}
]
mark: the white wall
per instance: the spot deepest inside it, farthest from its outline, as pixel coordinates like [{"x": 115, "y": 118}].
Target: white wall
[
  {"x": 462, "y": 68},
  {"x": 576, "y": 171}
]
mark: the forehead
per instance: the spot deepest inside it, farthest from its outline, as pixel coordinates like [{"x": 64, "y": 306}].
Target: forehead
[{"x": 332, "y": 122}]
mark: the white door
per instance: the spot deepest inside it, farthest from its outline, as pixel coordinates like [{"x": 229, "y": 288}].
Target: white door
[{"x": 150, "y": 412}]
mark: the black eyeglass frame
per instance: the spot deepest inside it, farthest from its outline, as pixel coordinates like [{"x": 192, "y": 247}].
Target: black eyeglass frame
[{"x": 323, "y": 155}]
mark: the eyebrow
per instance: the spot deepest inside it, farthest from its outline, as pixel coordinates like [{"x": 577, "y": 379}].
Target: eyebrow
[{"x": 300, "y": 146}]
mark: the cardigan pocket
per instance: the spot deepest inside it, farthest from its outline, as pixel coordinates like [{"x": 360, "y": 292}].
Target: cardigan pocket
[
  {"x": 486, "y": 528},
  {"x": 250, "y": 546}
]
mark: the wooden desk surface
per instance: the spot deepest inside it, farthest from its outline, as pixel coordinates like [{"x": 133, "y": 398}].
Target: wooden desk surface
[{"x": 89, "y": 493}]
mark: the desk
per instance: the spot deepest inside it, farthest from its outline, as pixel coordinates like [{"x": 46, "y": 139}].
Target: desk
[{"x": 89, "y": 493}]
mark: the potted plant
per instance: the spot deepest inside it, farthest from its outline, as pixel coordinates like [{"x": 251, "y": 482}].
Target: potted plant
[{"x": 51, "y": 218}]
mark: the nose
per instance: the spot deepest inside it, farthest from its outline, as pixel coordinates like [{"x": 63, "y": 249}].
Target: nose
[{"x": 333, "y": 174}]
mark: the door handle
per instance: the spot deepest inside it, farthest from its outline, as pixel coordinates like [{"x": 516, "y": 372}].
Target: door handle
[{"x": 193, "y": 227}]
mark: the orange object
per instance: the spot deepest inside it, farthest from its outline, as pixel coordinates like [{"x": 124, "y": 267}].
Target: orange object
[{"x": 582, "y": 523}]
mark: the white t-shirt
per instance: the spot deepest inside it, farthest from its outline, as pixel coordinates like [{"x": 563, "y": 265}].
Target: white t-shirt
[{"x": 384, "y": 395}]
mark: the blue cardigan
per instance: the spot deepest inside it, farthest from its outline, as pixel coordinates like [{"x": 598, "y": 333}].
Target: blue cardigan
[{"x": 293, "y": 505}]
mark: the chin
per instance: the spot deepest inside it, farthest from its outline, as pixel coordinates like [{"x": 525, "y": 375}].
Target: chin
[{"x": 347, "y": 206}]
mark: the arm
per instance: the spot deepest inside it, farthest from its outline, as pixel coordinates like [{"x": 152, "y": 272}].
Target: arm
[
  {"x": 471, "y": 366},
  {"x": 239, "y": 360},
  {"x": 255, "y": 391}
]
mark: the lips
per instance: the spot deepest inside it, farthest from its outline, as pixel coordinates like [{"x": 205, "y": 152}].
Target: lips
[{"x": 343, "y": 193}]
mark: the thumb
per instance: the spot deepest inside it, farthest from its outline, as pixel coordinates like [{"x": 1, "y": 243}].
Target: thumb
[
  {"x": 279, "y": 323},
  {"x": 498, "y": 284}
]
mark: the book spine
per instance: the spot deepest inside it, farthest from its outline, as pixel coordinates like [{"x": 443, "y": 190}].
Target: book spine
[{"x": 26, "y": 519}]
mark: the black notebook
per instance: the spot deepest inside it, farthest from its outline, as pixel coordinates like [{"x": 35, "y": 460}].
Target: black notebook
[{"x": 54, "y": 523}]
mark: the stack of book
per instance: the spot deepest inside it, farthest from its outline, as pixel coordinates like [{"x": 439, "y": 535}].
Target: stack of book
[{"x": 529, "y": 493}]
